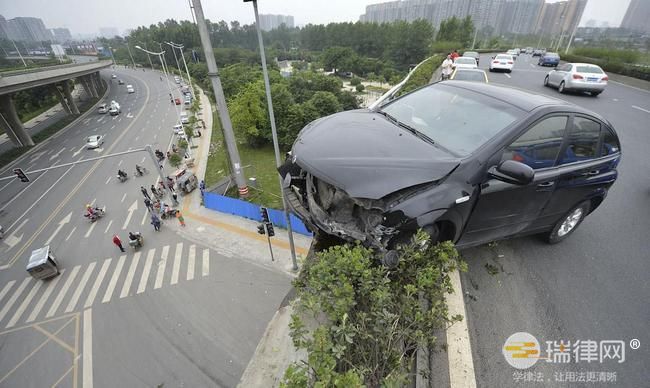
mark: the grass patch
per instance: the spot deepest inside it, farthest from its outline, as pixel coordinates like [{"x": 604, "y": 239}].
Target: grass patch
[
  {"x": 14, "y": 153},
  {"x": 262, "y": 167},
  {"x": 30, "y": 115}
]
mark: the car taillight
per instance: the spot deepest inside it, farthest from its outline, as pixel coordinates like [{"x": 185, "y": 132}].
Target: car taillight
[
  {"x": 495, "y": 61},
  {"x": 577, "y": 76},
  {"x": 605, "y": 78},
  {"x": 510, "y": 62}
]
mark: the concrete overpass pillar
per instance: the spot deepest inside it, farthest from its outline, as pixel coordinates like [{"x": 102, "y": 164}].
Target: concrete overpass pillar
[
  {"x": 59, "y": 94},
  {"x": 11, "y": 121},
  {"x": 89, "y": 86},
  {"x": 100, "y": 84},
  {"x": 67, "y": 90}
]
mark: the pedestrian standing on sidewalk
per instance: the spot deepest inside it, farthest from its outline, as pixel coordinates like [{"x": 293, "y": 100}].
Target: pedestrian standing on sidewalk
[
  {"x": 148, "y": 204},
  {"x": 180, "y": 218},
  {"x": 118, "y": 242},
  {"x": 145, "y": 192}
]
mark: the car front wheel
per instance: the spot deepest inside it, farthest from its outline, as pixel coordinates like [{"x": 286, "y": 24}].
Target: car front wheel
[
  {"x": 568, "y": 224},
  {"x": 561, "y": 87},
  {"x": 546, "y": 81}
]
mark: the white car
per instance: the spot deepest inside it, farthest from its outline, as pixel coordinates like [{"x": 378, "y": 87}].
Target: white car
[
  {"x": 184, "y": 118},
  {"x": 465, "y": 63},
  {"x": 178, "y": 129},
  {"x": 113, "y": 76},
  {"x": 103, "y": 108},
  {"x": 129, "y": 89},
  {"x": 583, "y": 77},
  {"x": 94, "y": 141},
  {"x": 177, "y": 79},
  {"x": 503, "y": 62},
  {"x": 513, "y": 52}
]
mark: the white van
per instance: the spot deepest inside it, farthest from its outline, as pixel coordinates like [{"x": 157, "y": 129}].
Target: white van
[
  {"x": 129, "y": 88},
  {"x": 184, "y": 118}
]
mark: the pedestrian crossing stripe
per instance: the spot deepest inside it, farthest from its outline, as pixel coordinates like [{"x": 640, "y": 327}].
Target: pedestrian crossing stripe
[{"x": 80, "y": 286}]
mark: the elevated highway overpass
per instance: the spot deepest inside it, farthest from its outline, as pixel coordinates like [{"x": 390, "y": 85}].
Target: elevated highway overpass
[{"x": 58, "y": 78}]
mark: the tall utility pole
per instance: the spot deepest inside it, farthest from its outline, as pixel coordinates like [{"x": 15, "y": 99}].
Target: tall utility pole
[
  {"x": 129, "y": 50},
  {"x": 274, "y": 132},
  {"x": 224, "y": 116},
  {"x": 189, "y": 79}
]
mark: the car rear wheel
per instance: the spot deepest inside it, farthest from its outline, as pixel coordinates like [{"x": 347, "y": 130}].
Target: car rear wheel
[
  {"x": 568, "y": 224},
  {"x": 546, "y": 81},
  {"x": 561, "y": 87},
  {"x": 594, "y": 94},
  {"x": 509, "y": 70}
]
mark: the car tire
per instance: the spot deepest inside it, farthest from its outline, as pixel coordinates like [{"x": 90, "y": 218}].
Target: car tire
[
  {"x": 491, "y": 70},
  {"x": 594, "y": 94},
  {"x": 561, "y": 87},
  {"x": 546, "y": 81},
  {"x": 568, "y": 223},
  {"x": 509, "y": 71}
]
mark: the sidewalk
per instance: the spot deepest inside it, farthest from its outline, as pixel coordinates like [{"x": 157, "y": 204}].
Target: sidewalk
[{"x": 227, "y": 234}]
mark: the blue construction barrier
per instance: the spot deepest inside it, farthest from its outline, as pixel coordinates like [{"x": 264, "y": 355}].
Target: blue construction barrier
[{"x": 251, "y": 211}]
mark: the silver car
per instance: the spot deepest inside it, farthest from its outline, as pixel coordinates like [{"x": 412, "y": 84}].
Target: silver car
[
  {"x": 94, "y": 141},
  {"x": 583, "y": 77}
]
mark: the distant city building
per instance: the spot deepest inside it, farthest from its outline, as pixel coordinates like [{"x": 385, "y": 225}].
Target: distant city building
[
  {"x": 637, "y": 16},
  {"x": 503, "y": 16},
  {"x": 108, "y": 32},
  {"x": 26, "y": 29},
  {"x": 271, "y": 22},
  {"x": 61, "y": 35}
]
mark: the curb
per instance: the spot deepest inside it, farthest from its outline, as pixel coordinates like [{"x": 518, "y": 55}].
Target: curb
[{"x": 57, "y": 134}]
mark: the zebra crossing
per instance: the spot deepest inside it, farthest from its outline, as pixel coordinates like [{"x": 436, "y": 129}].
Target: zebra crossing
[{"x": 101, "y": 281}]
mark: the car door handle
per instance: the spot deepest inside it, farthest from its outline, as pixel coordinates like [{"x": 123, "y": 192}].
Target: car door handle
[
  {"x": 590, "y": 173},
  {"x": 546, "y": 184}
]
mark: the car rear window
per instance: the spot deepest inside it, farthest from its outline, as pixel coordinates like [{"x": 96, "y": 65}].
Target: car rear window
[
  {"x": 508, "y": 57},
  {"x": 472, "y": 54},
  {"x": 469, "y": 76},
  {"x": 457, "y": 119},
  {"x": 589, "y": 69},
  {"x": 466, "y": 61}
]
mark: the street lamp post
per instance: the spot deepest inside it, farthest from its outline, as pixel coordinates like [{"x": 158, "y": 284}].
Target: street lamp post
[
  {"x": 129, "y": 50},
  {"x": 110, "y": 49},
  {"x": 189, "y": 79},
  {"x": 274, "y": 132},
  {"x": 147, "y": 52}
]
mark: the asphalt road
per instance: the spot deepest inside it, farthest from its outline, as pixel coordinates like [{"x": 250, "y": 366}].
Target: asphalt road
[
  {"x": 174, "y": 313},
  {"x": 593, "y": 286}
]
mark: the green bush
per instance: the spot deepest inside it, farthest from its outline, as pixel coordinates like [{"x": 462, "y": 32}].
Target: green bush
[
  {"x": 422, "y": 75},
  {"x": 175, "y": 160},
  {"x": 365, "y": 322},
  {"x": 608, "y": 55},
  {"x": 360, "y": 88}
]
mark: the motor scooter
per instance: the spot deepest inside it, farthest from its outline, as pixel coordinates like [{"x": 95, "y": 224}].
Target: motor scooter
[{"x": 97, "y": 214}]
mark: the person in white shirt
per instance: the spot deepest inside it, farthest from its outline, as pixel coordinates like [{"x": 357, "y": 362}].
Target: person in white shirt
[{"x": 447, "y": 67}]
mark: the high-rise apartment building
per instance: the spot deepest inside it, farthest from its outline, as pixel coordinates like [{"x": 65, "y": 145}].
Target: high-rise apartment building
[
  {"x": 61, "y": 35},
  {"x": 637, "y": 16},
  {"x": 560, "y": 18},
  {"x": 270, "y": 22},
  {"x": 27, "y": 29}
]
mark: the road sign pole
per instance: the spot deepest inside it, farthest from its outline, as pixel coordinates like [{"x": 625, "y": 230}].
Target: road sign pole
[{"x": 268, "y": 238}]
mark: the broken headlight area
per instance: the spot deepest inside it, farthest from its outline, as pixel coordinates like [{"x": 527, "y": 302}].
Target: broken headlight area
[{"x": 323, "y": 206}]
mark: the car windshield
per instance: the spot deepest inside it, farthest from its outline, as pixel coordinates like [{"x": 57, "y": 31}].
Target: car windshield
[
  {"x": 503, "y": 57},
  {"x": 466, "y": 61},
  {"x": 589, "y": 69},
  {"x": 92, "y": 139},
  {"x": 553, "y": 55},
  {"x": 456, "y": 119},
  {"x": 470, "y": 76}
]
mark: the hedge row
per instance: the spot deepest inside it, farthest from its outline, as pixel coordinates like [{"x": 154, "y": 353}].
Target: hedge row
[
  {"x": 612, "y": 66},
  {"x": 422, "y": 75}
]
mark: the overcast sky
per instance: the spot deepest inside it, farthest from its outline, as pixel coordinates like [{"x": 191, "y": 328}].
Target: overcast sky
[{"x": 87, "y": 16}]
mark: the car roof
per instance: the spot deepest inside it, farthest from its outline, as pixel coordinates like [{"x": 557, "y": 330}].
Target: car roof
[
  {"x": 583, "y": 64},
  {"x": 516, "y": 97},
  {"x": 38, "y": 257}
]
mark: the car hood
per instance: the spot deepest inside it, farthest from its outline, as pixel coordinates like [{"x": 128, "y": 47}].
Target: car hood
[{"x": 368, "y": 156}]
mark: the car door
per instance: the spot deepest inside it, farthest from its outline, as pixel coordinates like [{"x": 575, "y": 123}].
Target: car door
[
  {"x": 586, "y": 168},
  {"x": 504, "y": 209},
  {"x": 556, "y": 75}
]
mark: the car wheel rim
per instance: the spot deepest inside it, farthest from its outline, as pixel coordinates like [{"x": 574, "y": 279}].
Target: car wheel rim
[
  {"x": 570, "y": 222},
  {"x": 561, "y": 88}
]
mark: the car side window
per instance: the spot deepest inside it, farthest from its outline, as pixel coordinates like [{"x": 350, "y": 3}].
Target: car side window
[
  {"x": 583, "y": 141},
  {"x": 540, "y": 145},
  {"x": 610, "y": 144}
]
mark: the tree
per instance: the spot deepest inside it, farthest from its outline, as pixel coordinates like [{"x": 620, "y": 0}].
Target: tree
[
  {"x": 325, "y": 103},
  {"x": 248, "y": 114},
  {"x": 360, "y": 88},
  {"x": 175, "y": 160}
]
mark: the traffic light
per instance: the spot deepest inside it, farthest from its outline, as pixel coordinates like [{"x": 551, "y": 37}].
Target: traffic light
[
  {"x": 265, "y": 215},
  {"x": 269, "y": 229},
  {"x": 260, "y": 229},
  {"x": 21, "y": 175}
]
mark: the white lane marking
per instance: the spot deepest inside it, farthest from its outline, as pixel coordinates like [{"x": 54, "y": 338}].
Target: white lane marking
[
  {"x": 13, "y": 298},
  {"x": 129, "y": 275},
  {"x": 109, "y": 179},
  {"x": 123, "y": 197},
  {"x": 13, "y": 239},
  {"x": 46, "y": 295},
  {"x": 113, "y": 282},
  {"x": 136, "y": 138},
  {"x": 143, "y": 159},
  {"x": 62, "y": 292},
  {"x": 70, "y": 234},
  {"x": 6, "y": 288},
  {"x": 191, "y": 257},
  {"x": 23, "y": 306},
  {"x": 120, "y": 163},
  {"x": 531, "y": 65},
  {"x": 19, "y": 195},
  {"x": 629, "y": 86},
  {"x": 82, "y": 284},
  {"x": 162, "y": 263},
  {"x": 507, "y": 75},
  {"x": 108, "y": 226},
  {"x": 176, "y": 269},
  {"x": 87, "y": 349},
  {"x": 155, "y": 136},
  {"x": 90, "y": 230},
  {"x": 62, "y": 223},
  {"x": 144, "y": 217},
  {"x": 145, "y": 271},
  {"x": 113, "y": 126},
  {"x": 639, "y": 108},
  {"x": 8, "y": 183},
  {"x": 206, "y": 262},
  {"x": 98, "y": 282},
  {"x": 57, "y": 154},
  {"x": 459, "y": 347},
  {"x": 132, "y": 208},
  {"x": 77, "y": 152}
]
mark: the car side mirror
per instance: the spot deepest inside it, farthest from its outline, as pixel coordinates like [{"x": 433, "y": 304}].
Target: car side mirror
[{"x": 511, "y": 171}]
